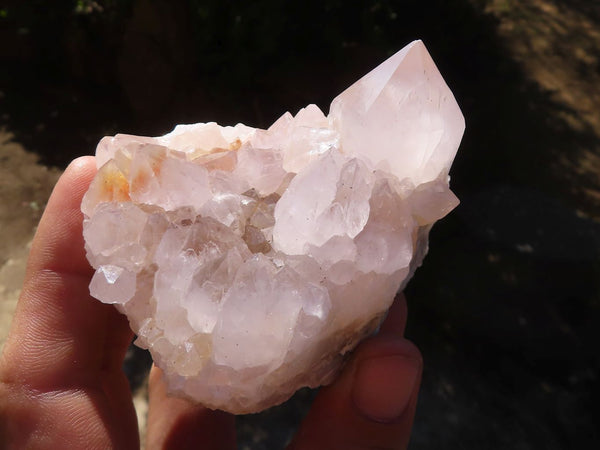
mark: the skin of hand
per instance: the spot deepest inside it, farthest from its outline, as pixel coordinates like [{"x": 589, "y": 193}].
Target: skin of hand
[{"x": 62, "y": 386}]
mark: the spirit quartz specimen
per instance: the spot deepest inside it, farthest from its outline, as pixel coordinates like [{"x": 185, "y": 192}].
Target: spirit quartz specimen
[{"x": 250, "y": 261}]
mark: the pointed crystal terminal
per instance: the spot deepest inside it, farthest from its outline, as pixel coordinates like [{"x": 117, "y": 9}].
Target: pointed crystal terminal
[
  {"x": 402, "y": 105},
  {"x": 250, "y": 262}
]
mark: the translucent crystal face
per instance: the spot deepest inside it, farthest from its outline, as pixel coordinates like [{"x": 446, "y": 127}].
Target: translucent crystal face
[{"x": 250, "y": 261}]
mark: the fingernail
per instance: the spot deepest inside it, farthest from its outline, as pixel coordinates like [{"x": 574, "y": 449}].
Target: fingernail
[{"x": 383, "y": 386}]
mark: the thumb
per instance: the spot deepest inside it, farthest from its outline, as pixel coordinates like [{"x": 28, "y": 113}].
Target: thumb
[
  {"x": 372, "y": 403},
  {"x": 175, "y": 423}
]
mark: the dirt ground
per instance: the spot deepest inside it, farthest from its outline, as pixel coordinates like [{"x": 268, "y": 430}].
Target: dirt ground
[
  {"x": 556, "y": 44},
  {"x": 540, "y": 242}
]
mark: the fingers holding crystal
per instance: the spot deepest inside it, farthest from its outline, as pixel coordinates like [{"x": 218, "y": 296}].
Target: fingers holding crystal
[
  {"x": 61, "y": 382},
  {"x": 395, "y": 322},
  {"x": 175, "y": 423},
  {"x": 373, "y": 401},
  {"x": 58, "y": 331}
]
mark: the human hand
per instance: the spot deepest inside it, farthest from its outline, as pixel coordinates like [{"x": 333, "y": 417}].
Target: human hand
[{"x": 62, "y": 386}]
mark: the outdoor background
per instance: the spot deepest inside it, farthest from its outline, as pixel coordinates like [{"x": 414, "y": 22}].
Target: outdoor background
[{"x": 505, "y": 309}]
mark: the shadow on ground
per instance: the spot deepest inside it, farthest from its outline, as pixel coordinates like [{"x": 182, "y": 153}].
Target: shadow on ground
[{"x": 504, "y": 308}]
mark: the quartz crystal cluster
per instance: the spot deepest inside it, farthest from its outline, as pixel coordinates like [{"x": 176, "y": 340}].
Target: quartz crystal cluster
[{"x": 250, "y": 261}]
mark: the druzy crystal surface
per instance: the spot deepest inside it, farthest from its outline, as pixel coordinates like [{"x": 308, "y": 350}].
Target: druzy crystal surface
[{"x": 250, "y": 261}]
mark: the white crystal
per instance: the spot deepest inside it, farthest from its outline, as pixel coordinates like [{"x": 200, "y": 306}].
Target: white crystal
[
  {"x": 113, "y": 284},
  {"x": 250, "y": 261},
  {"x": 402, "y": 105}
]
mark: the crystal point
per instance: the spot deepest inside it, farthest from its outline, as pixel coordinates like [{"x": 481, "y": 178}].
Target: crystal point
[
  {"x": 401, "y": 105},
  {"x": 248, "y": 261}
]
